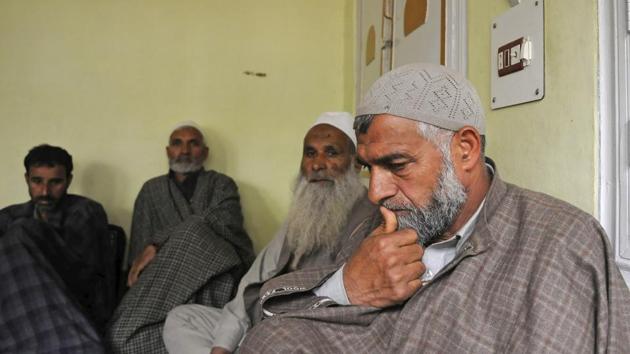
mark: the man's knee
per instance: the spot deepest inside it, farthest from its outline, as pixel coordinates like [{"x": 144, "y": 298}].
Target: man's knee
[
  {"x": 283, "y": 334},
  {"x": 190, "y": 328}
]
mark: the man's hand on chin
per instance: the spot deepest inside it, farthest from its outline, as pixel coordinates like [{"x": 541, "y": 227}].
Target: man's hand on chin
[
  {"x": 386, "y": 268},
  {"x": 140, "y": 263}
]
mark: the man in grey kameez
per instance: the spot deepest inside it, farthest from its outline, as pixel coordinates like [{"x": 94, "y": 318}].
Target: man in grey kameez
[
  {"x": 463, "y": 261},
  {"x": 329, "y": 204},
  {"x": 188, "y": 245}
]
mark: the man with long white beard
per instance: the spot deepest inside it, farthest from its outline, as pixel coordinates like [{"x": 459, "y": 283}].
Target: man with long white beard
[
  {"x": 329, "y": 205},
  {"x": 188, "y": 245}
]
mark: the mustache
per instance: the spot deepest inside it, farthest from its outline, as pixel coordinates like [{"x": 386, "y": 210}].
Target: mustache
[
  {"x": 318, "y": 176},
  {"x": 395, "y": 206},
  {"x": 184, "y": 158},
  {"x": 44, "y": 199}
]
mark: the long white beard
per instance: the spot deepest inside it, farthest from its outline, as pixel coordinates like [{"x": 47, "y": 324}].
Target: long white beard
[
  {"x": 185, "y": 164},
  {"x": 319, "y": 213}
]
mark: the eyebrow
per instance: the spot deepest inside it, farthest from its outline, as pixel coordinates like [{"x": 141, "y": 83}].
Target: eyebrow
[
  {"x": 326, "y": 147},
  {"x": 389, "y": 159},
  {"x": 361, "y": 162}
]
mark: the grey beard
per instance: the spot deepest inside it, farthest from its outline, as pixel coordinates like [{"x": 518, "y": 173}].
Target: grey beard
[
  {"x": 431, "y": 221},
  {"x": 319, "y": 212},
  {"x": 184, "y": 165}
]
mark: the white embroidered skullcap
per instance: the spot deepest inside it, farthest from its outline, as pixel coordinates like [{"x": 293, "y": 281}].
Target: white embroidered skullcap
[
  {"x": 187, "y": 123},
  {"x": 340, "y": 120},
  {"x": 428, "y": 93}
]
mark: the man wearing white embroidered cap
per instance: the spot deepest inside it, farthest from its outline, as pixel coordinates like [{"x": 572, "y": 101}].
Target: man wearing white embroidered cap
[
  {"x": 463, "y": 262},
  {"x": 329, "y": 204}
]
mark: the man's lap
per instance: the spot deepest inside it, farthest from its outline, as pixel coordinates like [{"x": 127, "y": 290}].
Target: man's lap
[
  {"x": 37, "y": 310},
  {"x": 190, "y": 329}
]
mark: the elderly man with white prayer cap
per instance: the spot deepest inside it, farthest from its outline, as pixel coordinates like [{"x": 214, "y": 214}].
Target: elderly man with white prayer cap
[
  {"x": 188, "y": 244},
  {"x": 329, "y": 206}
]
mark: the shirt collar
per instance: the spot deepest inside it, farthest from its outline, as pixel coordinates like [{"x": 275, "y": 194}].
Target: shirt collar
[{"x": 188, "y": 185}]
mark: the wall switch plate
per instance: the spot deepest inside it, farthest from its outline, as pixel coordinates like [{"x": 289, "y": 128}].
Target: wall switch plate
[
  {"x": 517, "y": 55},
  {"x": 514, "y": 56}
]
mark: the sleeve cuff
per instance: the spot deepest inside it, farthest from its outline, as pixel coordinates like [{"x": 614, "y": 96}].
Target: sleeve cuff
[{"x": 334, "y": 288}]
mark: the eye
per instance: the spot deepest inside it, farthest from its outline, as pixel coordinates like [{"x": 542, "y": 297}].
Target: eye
[
  {"x": 309, "y": 152},
  {"x": 176, "y": 142},
  {"x": 396, "y": 167},
  {"x": 331, "y": 151},
  {"x": 55, "y": 182}
]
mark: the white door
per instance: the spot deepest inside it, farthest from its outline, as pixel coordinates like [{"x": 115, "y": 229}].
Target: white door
[{"x": 614, "y": 119}]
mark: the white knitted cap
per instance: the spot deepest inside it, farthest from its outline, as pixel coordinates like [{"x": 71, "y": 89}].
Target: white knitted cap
[
  {"x": 340, "y": 120},
  {"x": 428, "y": 93},
  {"x": 188, "y": 123}
]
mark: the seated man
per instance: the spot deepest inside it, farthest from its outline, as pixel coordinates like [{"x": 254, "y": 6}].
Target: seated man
[
  {"x": 188, "y": 241},
  {"x": 329, "y": 201},
  {"x": 504, "y": 269},
  {"x": 55, "y": 263}
]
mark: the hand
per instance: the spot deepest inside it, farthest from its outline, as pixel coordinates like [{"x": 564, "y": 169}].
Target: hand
[
  {"x": 219, "y": 350},
  {"x": 386, "y": 268},
  {"x": 140, "y": 263}
]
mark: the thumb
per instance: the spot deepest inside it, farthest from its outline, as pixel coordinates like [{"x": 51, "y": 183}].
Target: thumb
[{"x": 390, "y": 223}]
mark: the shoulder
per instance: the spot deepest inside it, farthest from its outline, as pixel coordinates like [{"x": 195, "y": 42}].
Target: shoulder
[
  {"x": 551, "y": 222},
  {"x": 216, "y": 179},
  {"x": 78, "y": 203},
  {"x": 545, "y": 208},
  {"x": 16, "y": 211},
  {"x": 154, "y": 182},
  {"x": 153, "y": 188},
  {"x": 213, "y": 175}
]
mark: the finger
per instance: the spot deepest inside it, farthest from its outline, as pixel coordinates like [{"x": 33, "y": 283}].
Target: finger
[
  {"x": 133, "y": 276},
  {"x": 403, "y": 274},
  {"x": 389, "y": 220},
  {"x": 411, "y": 253},
  {"x": 403, "y": 237},
  {"x": 414, "y": 285},
  {"x": 413, "y": 270}
]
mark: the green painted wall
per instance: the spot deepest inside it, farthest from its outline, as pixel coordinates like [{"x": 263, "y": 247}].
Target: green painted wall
[
  {"x": 548, "y": 145},
  {"x": 108, "y": 79}
]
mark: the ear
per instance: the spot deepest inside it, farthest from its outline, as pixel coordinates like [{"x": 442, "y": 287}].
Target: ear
[
  {"x": 26, "y": 177},
  {"x": 466, "y": 148},
  {"x": 168, "y": 152},
  {"x": 69, "y": 179}
]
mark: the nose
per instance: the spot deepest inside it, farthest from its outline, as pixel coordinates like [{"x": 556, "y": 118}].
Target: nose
[
  {"x": 381, "y": 186},
  {"x": 185, "y": 149},
  {"x": 45, "y": 190},
  {"x": 319, "y": 163}
]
